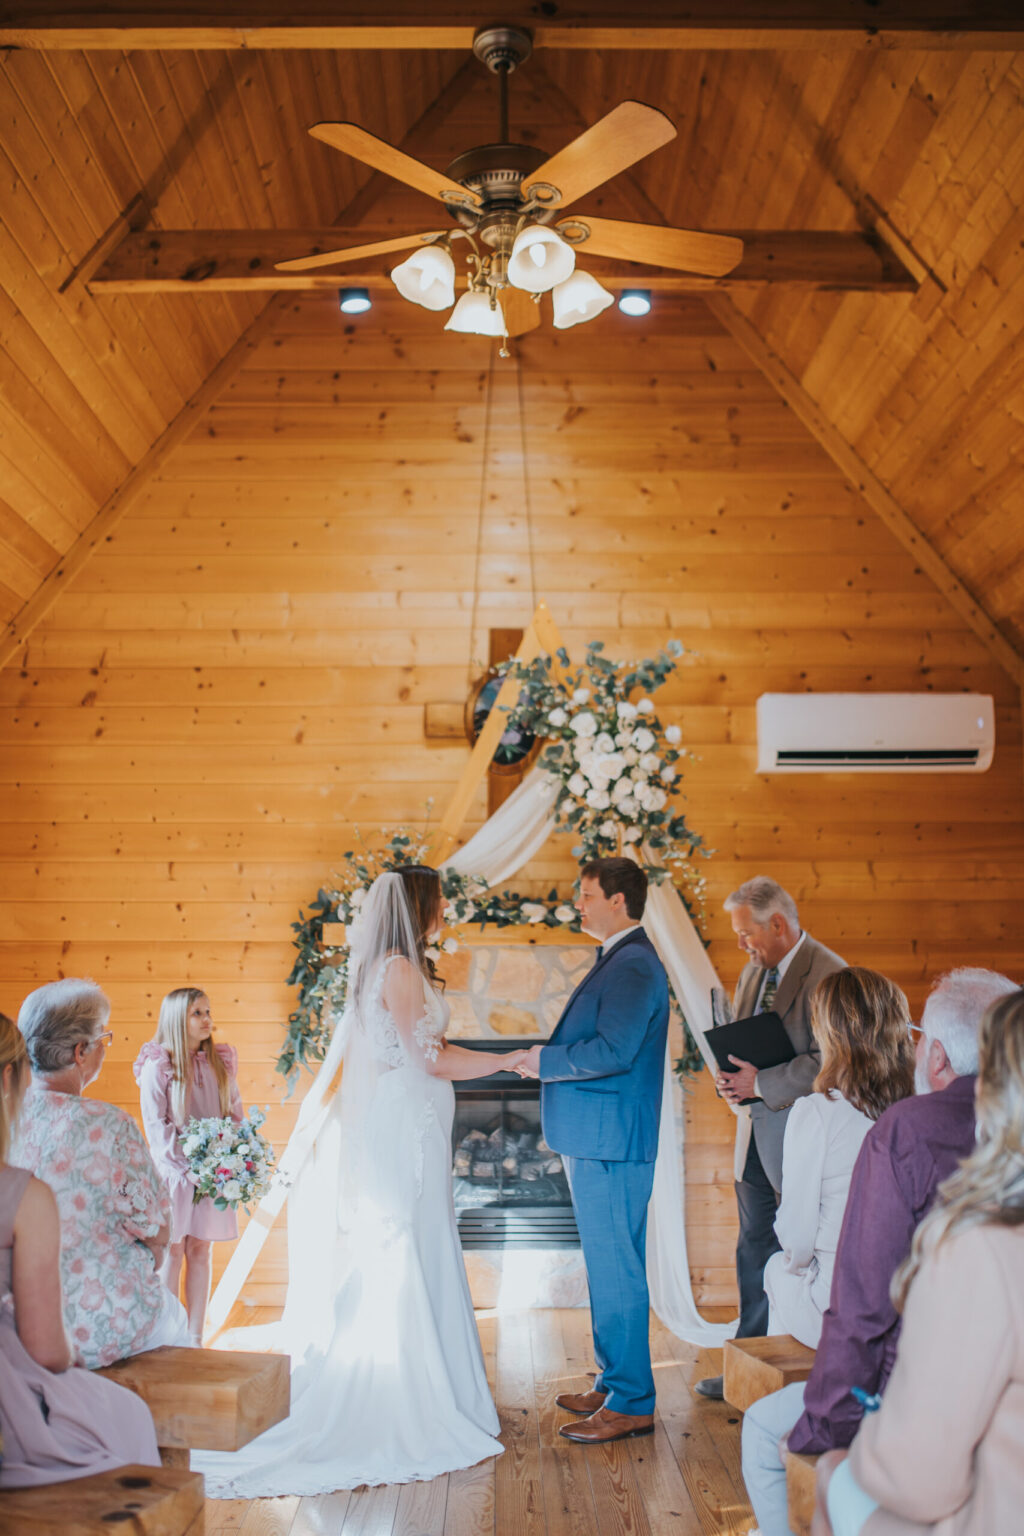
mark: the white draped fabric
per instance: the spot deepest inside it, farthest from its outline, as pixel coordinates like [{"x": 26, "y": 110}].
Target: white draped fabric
[{"x": 503, "y": 844}]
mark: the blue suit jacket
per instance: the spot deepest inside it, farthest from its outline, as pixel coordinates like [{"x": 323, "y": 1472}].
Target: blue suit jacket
[{"x": 603, "y": 1070}]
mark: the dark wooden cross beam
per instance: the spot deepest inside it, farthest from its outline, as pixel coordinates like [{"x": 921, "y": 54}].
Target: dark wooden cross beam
[{"x": 230, "y": 260}]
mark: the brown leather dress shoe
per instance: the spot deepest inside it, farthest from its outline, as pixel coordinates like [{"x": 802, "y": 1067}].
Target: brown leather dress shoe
[
  {"x": 604, "y": 1425},
  {"x": 581, "y": 1402}
]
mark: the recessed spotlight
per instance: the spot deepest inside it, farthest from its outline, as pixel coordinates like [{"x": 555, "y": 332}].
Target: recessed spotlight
[
  {"x": 354, "y": 301},
  {"x": 635, "y": 301}
]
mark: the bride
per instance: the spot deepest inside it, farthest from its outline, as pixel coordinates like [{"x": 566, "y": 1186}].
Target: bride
[{"x": 388, "y": 1382}]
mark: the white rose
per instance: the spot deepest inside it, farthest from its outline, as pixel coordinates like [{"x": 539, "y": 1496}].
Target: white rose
[
  {"x": 450, "y": 946},
  {"x": 645, "y": 795},
  {"x": 628, "y": 807},
  {"x": 626, "y": 710},
  {"x": 581, "y": 695},
  {"x": 650, "y": 762},
  {"x": 584, "y": 723},
  {"x": 432, "y": 952},
  {"x": 643, "y": 739},
  {"x": 534, "y": 912},
  {"x": 565, "y": 914},
  {"x": 598, "y": 799},
  {"x": 357, "y": 897},
  {"x": 630, "y": 756},
  {"x": 577, "y": 785},
  {"x": 621, "y": 788},
  {"x": 612, "y": 764},
  {"x": 673, "y": 734},
  {"x": 232, "y": 1190},
  {"x": 645, "y": 706},
  {"x": 604, "y": 743},
  {"x": 557, "y": 717},
  {"x": 608, "y": 829},
  {"x": 624, "y": 738},
  {"x": 633, "y": 834},
  {"x": 668, "y": 773},
  {"x": 580, "y": 749}
]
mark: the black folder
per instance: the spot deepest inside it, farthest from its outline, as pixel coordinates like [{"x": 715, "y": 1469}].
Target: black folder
[{"x": 762, "y": 1040}]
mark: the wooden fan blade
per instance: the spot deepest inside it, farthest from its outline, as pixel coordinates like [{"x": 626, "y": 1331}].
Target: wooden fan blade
[
  {"x": 353, "y": 140},
  {"x": 688, "y": 250},
  {"x": 355, "y": 252},
  {"x": 521, "y": 313},
  {"x": 628, "y": 133}
]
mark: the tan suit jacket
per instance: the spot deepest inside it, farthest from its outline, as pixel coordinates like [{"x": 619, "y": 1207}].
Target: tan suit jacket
[
  {"x": 945, "y": 1452},
  {"x": 780, "y": 1086}
]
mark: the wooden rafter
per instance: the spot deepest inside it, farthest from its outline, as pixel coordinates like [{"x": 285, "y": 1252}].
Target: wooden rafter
[
  {"x": 867, "y": 483},
  {"x": 604, "y": 24},
  {"x": 233, "y": 260}
]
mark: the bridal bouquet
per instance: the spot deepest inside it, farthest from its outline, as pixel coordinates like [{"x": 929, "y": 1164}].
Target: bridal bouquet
[{"x": 231, "y": 1163}]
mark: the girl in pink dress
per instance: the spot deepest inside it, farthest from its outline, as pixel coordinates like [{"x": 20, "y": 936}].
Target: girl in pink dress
[
  {"x": 182, "y": 1074},
  {"x": 57, "y": 1421}
]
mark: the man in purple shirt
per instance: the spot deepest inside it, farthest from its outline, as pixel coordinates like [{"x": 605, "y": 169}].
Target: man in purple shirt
[{"x": 904, "y": 1158}]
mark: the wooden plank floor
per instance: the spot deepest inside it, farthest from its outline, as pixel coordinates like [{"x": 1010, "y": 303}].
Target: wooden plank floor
[{"x": 684, "y": 1479}]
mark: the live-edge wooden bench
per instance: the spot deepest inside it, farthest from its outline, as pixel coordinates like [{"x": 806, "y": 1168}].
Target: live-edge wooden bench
[
  {"x": 800, "y": 1491},
  {"x": 148, "y": 1501},
  {"x": 206, "y": 1399},
  {"x": 753, "y": 1368}
]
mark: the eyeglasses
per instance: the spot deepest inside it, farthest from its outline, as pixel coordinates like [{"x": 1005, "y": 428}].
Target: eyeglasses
[
  {"x": 107, "y": 1038},
  {"x": 915, "y": 1032}
]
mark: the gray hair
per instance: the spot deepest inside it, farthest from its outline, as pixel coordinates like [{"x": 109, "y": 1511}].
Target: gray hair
[
  {"x": 57, "y": 1017},
  {"x": 953, "y": 1013},
  {"x": 764, "y": 897}
]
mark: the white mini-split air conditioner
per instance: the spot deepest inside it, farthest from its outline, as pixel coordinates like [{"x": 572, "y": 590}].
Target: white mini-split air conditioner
[{"x": 875, "y": 732}]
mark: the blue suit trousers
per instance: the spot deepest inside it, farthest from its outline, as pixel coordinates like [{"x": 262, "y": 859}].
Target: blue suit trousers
[{"x": 610, "y": 1201}]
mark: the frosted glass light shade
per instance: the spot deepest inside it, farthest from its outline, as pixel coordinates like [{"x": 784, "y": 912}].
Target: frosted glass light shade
[
  {"x": 540, "y": 258},
  {"x": 474, "y": 316},
  {"x": 427, "y": 277},
  {"x": 579, "y": 298}
]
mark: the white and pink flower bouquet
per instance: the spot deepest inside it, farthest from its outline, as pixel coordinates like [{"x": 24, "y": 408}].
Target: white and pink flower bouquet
[{"x": 229, "y": 1162}]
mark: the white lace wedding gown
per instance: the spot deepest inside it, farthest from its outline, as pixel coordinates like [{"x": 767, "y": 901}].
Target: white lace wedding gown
[{"x": 392, "y": 1387}]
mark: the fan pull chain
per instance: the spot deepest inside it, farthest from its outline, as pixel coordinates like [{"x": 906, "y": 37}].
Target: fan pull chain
[
  {"x": 526, "y": 483},
  {"x": 484, "y": 466}
]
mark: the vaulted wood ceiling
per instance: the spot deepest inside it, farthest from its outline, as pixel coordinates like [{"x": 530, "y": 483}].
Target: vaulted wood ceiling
[{"x": 923, "y": 145}]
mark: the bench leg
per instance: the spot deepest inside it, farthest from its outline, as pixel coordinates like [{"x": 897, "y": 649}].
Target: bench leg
[{"x": 175, "y": 1456}]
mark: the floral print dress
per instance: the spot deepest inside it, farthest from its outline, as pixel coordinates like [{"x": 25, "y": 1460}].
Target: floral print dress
[{"x": 110, "y": 1197}]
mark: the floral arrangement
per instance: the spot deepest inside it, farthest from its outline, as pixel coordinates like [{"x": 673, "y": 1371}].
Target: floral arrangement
[
  {"x": 617, "y": 766},
  {"x": 231, "y": 1163}
]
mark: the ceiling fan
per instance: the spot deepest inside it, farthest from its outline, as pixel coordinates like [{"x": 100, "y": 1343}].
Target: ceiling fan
[{"x": 508, "y": 202}]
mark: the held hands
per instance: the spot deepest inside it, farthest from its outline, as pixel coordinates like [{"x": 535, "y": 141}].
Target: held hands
[
  {"x": 739, "y": 1085},
  {"x": 528, "y": 1064}
]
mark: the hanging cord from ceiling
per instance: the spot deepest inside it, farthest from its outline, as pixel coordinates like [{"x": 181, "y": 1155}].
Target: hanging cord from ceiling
[{"x": 476, "y": 662}]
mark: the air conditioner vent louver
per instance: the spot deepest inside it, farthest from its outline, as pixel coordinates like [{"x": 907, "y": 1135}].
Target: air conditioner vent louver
[{"x": 875, "y": 732}]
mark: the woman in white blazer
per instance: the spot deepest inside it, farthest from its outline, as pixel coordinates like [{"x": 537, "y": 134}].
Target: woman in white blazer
[{"x": 860, "y": 1021}]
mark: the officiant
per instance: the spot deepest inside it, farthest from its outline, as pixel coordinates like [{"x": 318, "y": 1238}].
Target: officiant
[{"x": 784, "y": 967}]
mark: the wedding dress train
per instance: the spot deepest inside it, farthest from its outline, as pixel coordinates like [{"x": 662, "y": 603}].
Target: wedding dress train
[{"x": 390, "y": 1386}]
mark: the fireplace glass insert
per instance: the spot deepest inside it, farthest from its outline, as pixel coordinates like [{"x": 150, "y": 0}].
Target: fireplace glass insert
[{"x": 510, "y": 1189}]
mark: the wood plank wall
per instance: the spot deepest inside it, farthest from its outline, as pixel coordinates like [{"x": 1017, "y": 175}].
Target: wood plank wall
[{"x": 239, "y": 677}]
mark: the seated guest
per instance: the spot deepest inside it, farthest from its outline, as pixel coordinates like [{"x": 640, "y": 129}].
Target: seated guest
[
  {"x": 860, "y": 1021},
  {"x": 114, "y": 1211},
  {"x": 945, "y": 1452},
  {"x": 56, "y": 1421},
  {"x": 905, "y": 1156}
]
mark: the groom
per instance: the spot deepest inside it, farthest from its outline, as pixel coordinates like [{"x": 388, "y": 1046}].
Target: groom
[{"x": 602, "y": 1074}]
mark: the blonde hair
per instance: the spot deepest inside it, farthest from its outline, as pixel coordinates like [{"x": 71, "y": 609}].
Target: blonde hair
[
  {"x": 172, "y": 1033},
  {"x": 860, "y": 1020},
  {"x": 988, "y": 1187},
  {"x": 13, "y": 1053}
]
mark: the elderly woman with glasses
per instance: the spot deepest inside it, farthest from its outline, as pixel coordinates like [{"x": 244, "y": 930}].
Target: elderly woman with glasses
[{"x": 114, "y": 1210}]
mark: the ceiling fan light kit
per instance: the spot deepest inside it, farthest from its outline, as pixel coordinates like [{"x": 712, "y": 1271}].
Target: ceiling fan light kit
[
  {"x": 540, "y": 259},
  {"x": 475, "y": 315},
  {"x": 505, "y": 199},
  {"x": 427, "y": 277},
  {"x": 579, "y": 298}
]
